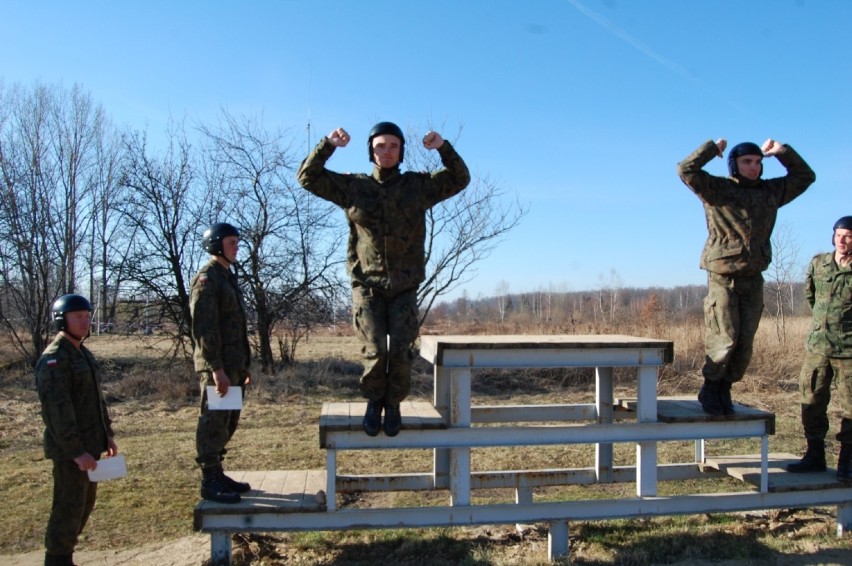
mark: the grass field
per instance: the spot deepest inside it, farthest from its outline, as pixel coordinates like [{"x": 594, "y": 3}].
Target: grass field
[{"x": 153, "y": 405}]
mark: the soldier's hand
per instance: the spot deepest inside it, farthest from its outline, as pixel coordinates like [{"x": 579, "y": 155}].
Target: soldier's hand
[
  {"x": 432, "y": 140},
  {"x": 721, "y": 143},
  {"x": 772, "y": 147},
  {"x": 339, "y": 138},
  {"x": 220, "y": 378},
  {"x": 86, "y": 462},
  {"x": 112, "y": 448}
]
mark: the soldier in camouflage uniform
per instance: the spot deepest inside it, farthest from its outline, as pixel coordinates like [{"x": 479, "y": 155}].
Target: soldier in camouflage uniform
[
  {"x": 386, "y": 259},
  {"x": 741, "y": 211},
  {"x": 828, "y": 356},
  {"x": 78, "y": 429},
  {"x": 221, "y": 354}
]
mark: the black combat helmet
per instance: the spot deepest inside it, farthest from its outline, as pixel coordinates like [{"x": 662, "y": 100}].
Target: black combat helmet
[
  {"x": 213, "y": 236},
  {"x": 844, "y": 223},
  {"x": 745, "y": 148},
  {"x": 66, "y": 304},
  {"x": 386, "y": 128}
]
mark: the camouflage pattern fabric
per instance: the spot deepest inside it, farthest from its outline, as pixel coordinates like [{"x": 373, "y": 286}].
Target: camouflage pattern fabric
[
  {"x": 73, "y": 501},
  {"x": 386, "y": 212},
  {"x": 741, "y": 213},
  {"x": 220, "y": 340},
  {"x": 732, "y": 311},
  {"x": 828, "y": 288},
  {"x": 72, "y": 403},
  {"x": 387, "y": 361},
  {"x": 76, "y": 422},
  {"x": 219, "y": 325}
]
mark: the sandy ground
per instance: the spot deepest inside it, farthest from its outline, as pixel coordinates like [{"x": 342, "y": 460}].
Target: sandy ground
[
  {"x": 194, "y": 550},
  {"x": 188, "y": 551}
]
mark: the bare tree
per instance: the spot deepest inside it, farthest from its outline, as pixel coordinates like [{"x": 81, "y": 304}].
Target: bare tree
[
  {"x": 163, "y": 213},
  {"x": 502, "y": 295},
  {"x": 293, "y": 256},
  {"x": 461, "y": 231},
  {"x": 48, "y": 155},
  {"x": 782, "y": 274}
]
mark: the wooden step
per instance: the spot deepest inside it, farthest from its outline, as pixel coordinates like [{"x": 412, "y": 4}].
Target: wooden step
[
  {"x": 688, "y": 410},
  {"x": 747, "y": 468},
  {"x": 346, "y": 417},
  {"x": 277, "y": 491}
]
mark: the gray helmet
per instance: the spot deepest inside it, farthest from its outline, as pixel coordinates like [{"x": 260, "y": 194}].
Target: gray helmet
[
  {"x": 844, "y": 223},
  {"x": 66, "y": 304},
  {"x": 745, "y": 148},
  {"x": 384, "y": 128},
  {"x": 213, "y": 236}
]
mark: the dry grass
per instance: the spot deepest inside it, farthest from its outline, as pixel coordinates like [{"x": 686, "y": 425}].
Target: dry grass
[{"x": 153, "y": 403}]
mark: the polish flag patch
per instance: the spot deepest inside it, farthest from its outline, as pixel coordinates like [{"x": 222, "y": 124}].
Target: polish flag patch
[{"x": 52, "y": 362}]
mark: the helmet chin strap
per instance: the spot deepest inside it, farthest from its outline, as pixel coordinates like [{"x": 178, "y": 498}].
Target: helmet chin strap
[{"x": 75, "y": 337}]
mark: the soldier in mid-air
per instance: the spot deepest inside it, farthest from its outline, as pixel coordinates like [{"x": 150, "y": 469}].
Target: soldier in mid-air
[
  {"x": 386, "y": 211},
  {"x": 741, "y": 210}
]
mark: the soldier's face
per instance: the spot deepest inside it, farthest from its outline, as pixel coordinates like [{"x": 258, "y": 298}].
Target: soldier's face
[
  {"x": 230, "y": 248},
  {"x": 78, "y": 323},
  {"x": 843, "y": 241},
  {"x": 749, "y": 166},
  {"x": 386, "y": 150}
]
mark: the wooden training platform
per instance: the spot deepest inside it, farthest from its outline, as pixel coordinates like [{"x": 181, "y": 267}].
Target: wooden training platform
[
  {"x": 279, "y": 491},
  {"x": 747, "y": 469},
  {"x": 346, "y": 417},
  {"x": 688, "y": 410}
]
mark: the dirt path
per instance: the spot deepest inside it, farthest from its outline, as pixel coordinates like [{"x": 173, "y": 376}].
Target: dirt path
[{"x": 188, "y": 551}]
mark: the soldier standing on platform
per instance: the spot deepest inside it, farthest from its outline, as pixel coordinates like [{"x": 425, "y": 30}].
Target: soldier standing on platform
[
  {"x": 386, "y": 258},
  {"x": 78, "y": 429},
  {"x": 221, "y": 354},
  {"x": 828, "y": 356},
  {"x": 741, "y": 210}
]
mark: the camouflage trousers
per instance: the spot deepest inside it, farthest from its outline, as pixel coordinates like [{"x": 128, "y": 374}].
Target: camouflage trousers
[
  {"x": 215, "y": 428},
  {"x": 73, "y": 500},
  {"x": 818, "y": 373},
  {"x": 387, "y": 326},
  {"x": 732, "y": 311}
]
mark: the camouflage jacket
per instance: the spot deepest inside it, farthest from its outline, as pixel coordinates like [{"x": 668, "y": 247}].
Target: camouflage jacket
[
  {"x": 219, "y": 325},
  {"x": 741, "y": 213},
  {"x": 386, "y": 214},
  {"x": 72, "y": 403},
  {"x": 828, "y": 288}
]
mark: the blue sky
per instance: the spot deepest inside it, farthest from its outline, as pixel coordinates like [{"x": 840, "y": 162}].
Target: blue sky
[{"x": 579, "y": 108}]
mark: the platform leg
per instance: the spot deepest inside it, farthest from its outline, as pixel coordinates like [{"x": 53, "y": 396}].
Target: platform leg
[
  {"x": 330, "y": 479},
  {"x": 646, "y": 412},
  {"x": 460, "y": 418},
  {"x": 764, "y": 464},
  {"x": 441, "y": 400},
  {"x": 844, "y": 518},
  {"x": 557, "y": 540},
  {"x": 220, "y": 548},
  {"x": 603, "y": 406}
]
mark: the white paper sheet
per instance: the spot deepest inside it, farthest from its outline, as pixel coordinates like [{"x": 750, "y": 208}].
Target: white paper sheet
[
  {"x": 232, "y": 401},
  {"x": 109, "y": 469}
]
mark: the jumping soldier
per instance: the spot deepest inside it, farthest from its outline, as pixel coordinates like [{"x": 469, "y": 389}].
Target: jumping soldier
[
  {"x": 78, "y": 429},
  {"x": 828, "y": 356},
  {"x": 386, "y": 211},
  {"x": 221, "y": 354},
  {"x": 741, "y": 210}
]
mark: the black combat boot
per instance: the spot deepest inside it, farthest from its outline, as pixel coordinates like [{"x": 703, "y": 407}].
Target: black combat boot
[
  {"x": 812, "y": 461},
  {"x": 236, "y": 486},
  {"x": 373, "y": 418},
  {"x": 725, "y": 400},
  {"x": 215, "y": 488},
  {"x": 709, "y": 397},
  {"x": 393, "y": 419},
  {"x": 58, "y": 559},
  {"x": 844, "y": 463}
]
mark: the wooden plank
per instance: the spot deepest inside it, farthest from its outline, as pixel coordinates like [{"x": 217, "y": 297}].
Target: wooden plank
[
  {"x": 747, "y": 468},
  {"x": 345, "y": 417},
  {"x": 688, "y": 410},
  {"x": 278, "y": 491}
]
